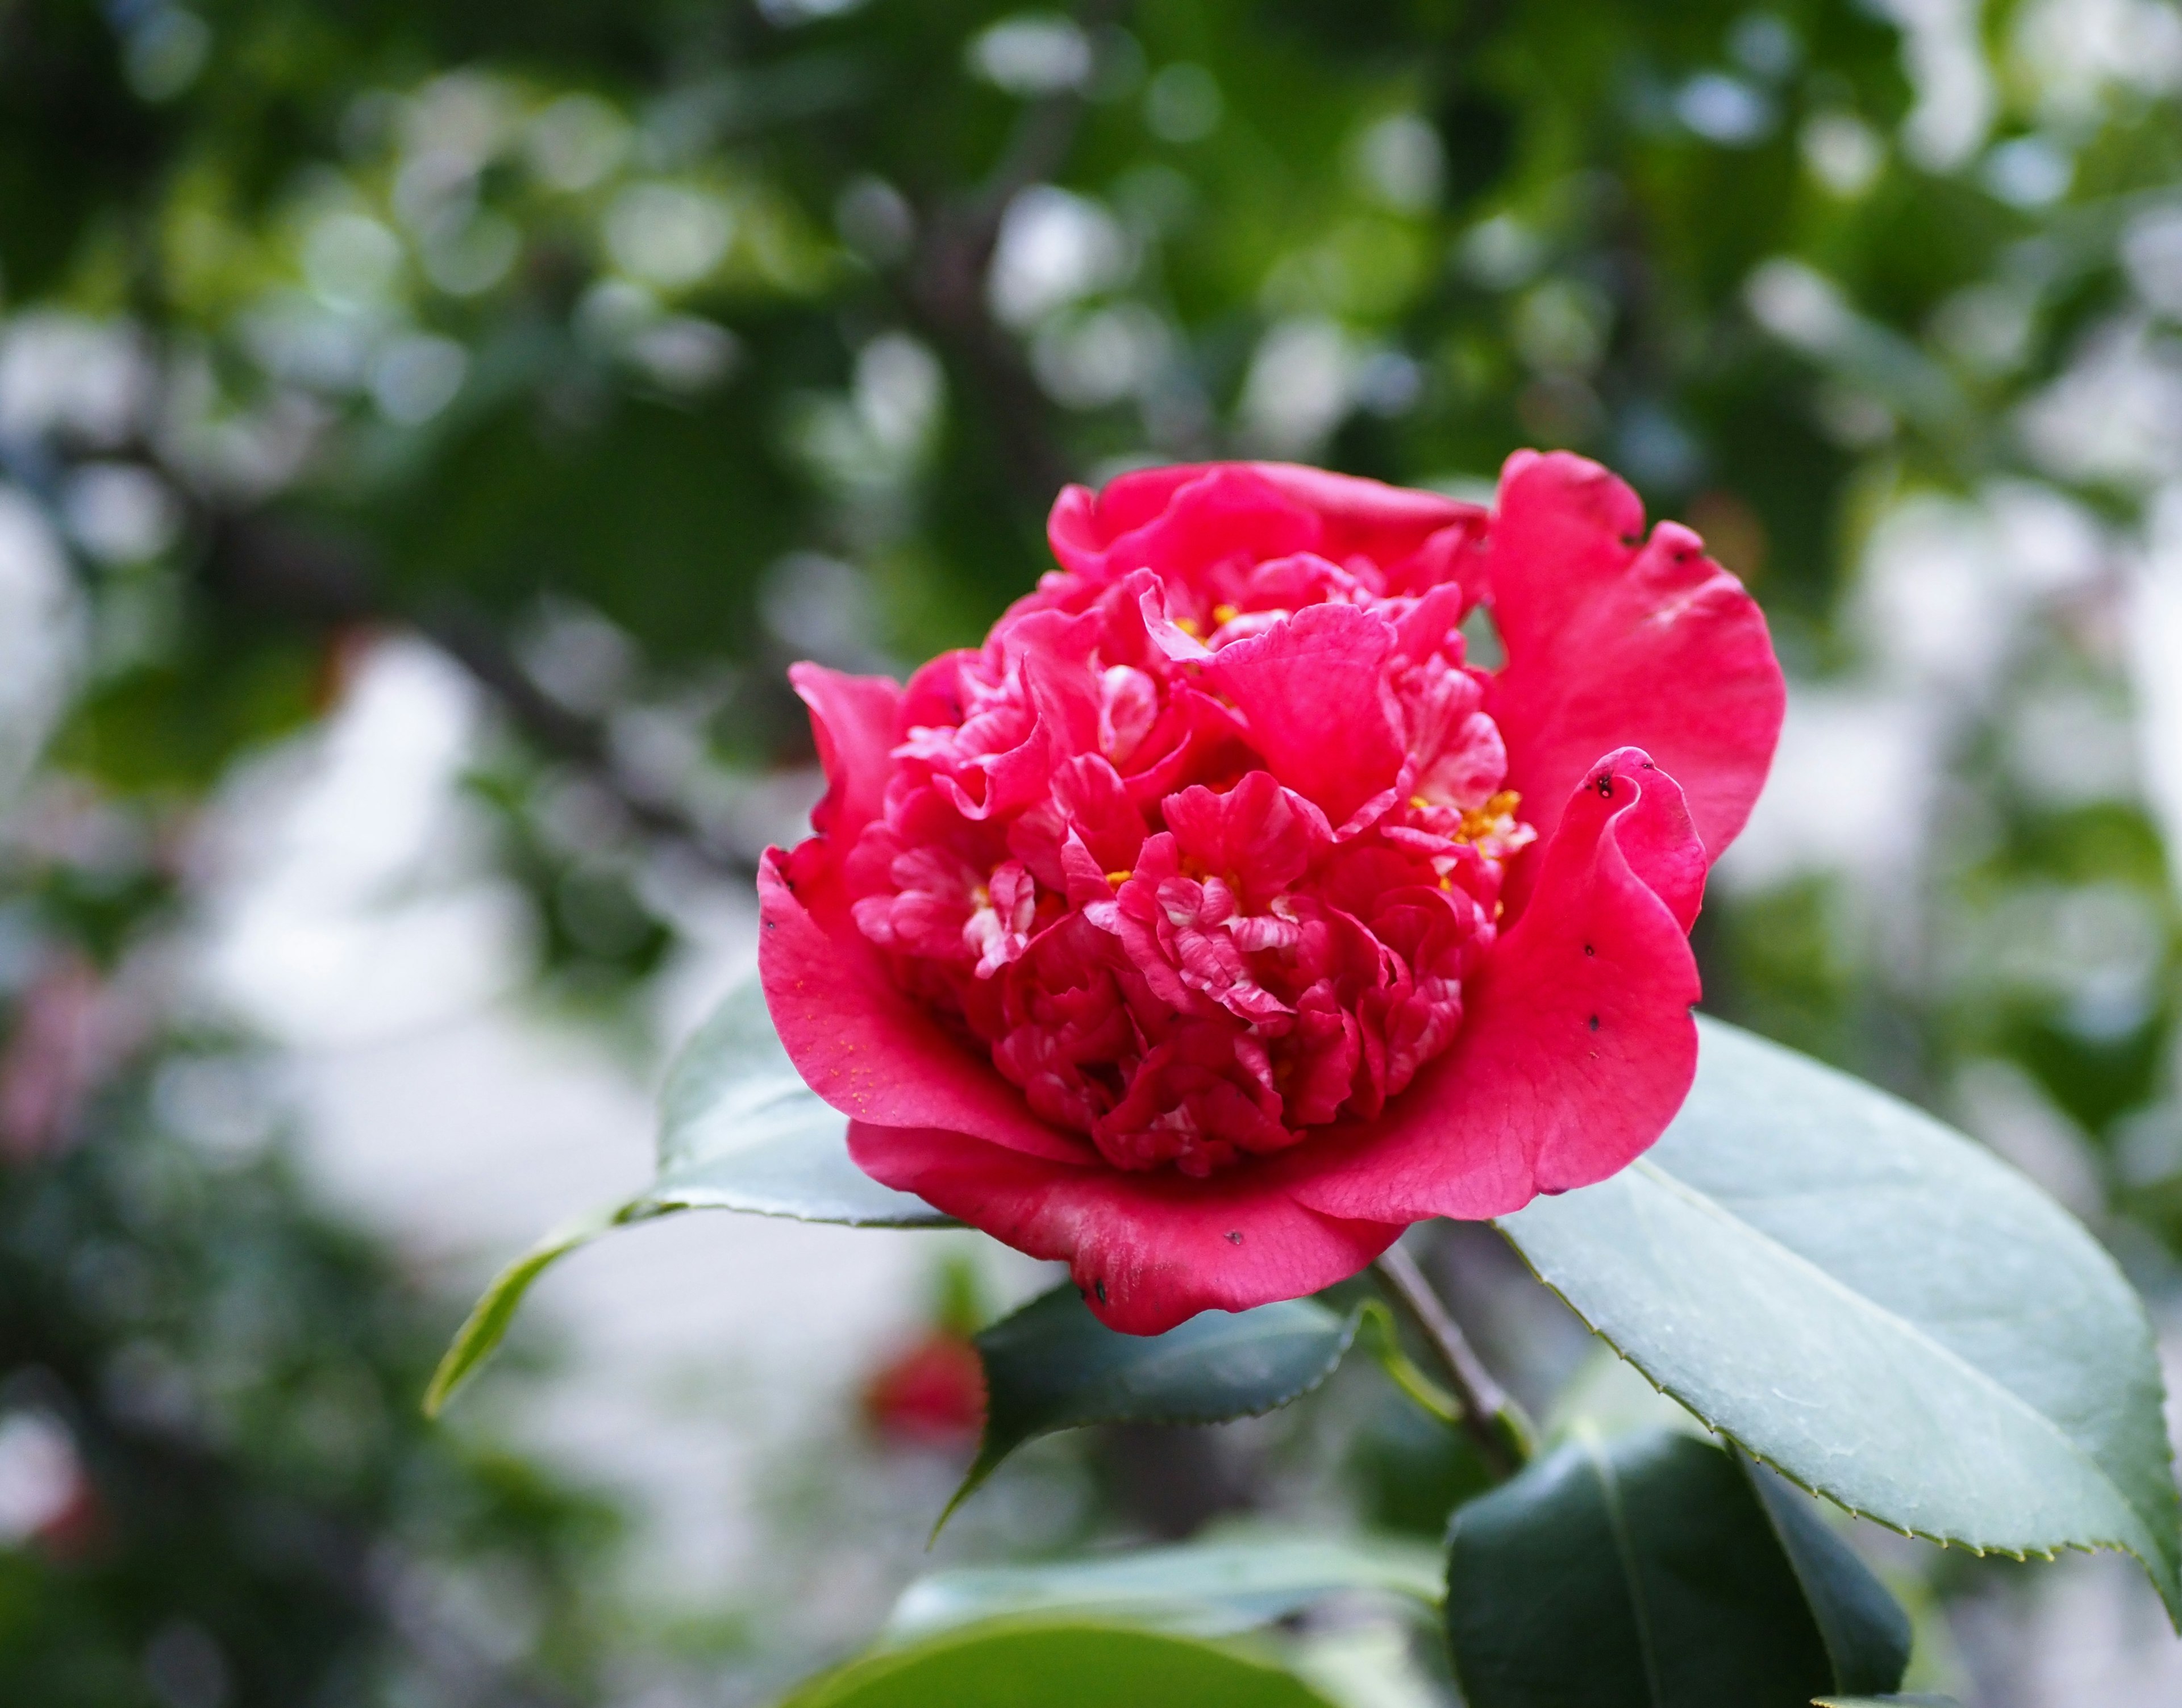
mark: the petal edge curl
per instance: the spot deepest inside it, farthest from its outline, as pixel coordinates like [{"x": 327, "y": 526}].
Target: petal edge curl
[
  {"x": 1578, "y": 1045},
  {"x": 1615, "y": 640},
  {"x": 860, "y": 1043},
  {"x": 1148, "y": 1249}
]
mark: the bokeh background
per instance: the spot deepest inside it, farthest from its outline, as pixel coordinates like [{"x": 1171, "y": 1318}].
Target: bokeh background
[{"x": 426, "y": 433}]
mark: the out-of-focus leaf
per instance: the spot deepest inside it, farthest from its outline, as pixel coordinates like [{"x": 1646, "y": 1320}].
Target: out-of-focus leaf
[
  {"x": 739, "y": 1130},
  {"x": 1059, "y": 1666},
  {"x": 1880, "y": 1308},
  {"x": 1204, "y": 1588},
  {"x": 1054, "y": 1366},
  {"x": 1651, "y": 1570},
  {"x": 487, "y": 1324}
]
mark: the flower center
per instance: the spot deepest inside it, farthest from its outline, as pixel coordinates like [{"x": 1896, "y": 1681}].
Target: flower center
[{"x": 1140, "y": 898}]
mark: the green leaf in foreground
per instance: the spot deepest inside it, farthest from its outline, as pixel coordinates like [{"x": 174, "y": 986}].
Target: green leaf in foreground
[
  {"x": 1054, "y": 1366},
  {"x": 1653, "y": 1571},
  {"x": 1059, "y": 1666},
  {"x": 1880, "y": 1308},
  {"x": 1912, "y": 1701},
  {"x": 739, "y": 1130},
  {"x": 1203, "y": 1588}
]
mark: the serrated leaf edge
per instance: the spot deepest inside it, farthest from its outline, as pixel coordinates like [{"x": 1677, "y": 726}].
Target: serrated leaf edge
[{"x": 1937, "y": 1538}]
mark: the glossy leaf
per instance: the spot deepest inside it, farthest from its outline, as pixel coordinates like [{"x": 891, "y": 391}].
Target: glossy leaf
[
  {"x": 1205, "y": 1589},
  {"x": 1880, "y": 1308},
  {"x": 1653, "y": 1571},
  {"x": 1054, "y": 1366},
  {"x": 739, "y": 1130},
  {"x": 1059, "y": 1666},
  {"x": 1917, "y": 1701}
]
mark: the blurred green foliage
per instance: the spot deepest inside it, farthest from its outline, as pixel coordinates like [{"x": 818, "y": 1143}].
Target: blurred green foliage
[{"x": 629, "y": 351}]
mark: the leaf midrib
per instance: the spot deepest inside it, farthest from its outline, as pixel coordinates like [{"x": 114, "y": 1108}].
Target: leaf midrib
[{"x": 1625, "y": 1549}]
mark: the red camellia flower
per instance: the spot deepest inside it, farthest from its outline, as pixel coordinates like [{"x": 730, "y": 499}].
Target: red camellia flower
[{"x": 1218, "y": 918}]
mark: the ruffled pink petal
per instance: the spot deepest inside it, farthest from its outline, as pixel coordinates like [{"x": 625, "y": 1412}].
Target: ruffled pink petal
[
  {"x": 1577, "y": 1046},
  {"x": 1221, "y": 513},
  {"x": 1613, "y": 641},
  {"x": 1389, "y": 525},
  {"x": 860, "y": 1043},
  {"x": 1149, "y": 1249},
  {"x": 853, "y": 718},
  {"x": 1082, "y": 523},
  {"x": 1311, "y": 688},
  {"x": 1418, "y": 539}
]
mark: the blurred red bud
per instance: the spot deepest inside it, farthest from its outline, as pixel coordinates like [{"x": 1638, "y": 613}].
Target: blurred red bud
[{"x": 931, "y": 1396}]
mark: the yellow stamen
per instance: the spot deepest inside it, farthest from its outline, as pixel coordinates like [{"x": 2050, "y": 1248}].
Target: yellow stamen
[
  {"x": 1190, "y": 627},
  {"x": 1420, "y": 803},
  {"x": 1119, "y": 878},
  {"x": 1223, "y": 614}
]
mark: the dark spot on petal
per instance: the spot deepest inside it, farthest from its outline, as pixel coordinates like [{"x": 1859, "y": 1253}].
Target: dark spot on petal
[
  {"x": 1594, "y": 1023},
  {"x": 1632, "y": 540},
  {"x": 1236, "y": 1237},
  {"x": 1589, "y": 950},
  {"x": 1605, "y": 784},
  {"x": 1099, "y": 1288}
]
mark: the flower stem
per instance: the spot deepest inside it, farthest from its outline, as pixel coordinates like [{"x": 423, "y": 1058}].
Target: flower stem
[{"x": 1491, "y": 1417}]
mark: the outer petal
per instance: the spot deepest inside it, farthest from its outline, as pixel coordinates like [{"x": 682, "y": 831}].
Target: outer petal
[
  {"x": 1148, "y": 1249},
  {"x": 1204, "y": 515},
  {"x": 1312, "y": 689},
  {"x": 1615, "y": 641},
  {"x": 853, "y": 718},
  {"x": 1369, "y": 518},
  {"x": 1577, "y": 1047},
  {"x": 1082, "y": 523},
  {"x": 1113, "y": 530},
  {"x": 870, "y": 1051}
]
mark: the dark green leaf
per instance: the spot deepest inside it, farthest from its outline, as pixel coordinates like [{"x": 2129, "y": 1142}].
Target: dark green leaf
[
  {"x": 1054, "y": 1366},
  {"x": 1058, "y": 1666},
  {"x": 1205, "y": 1589},
  {"x": 1880, "y": 1308},
  {"x": 1863, "y": 1629},
  {"x": 1649, "y": 1571}
]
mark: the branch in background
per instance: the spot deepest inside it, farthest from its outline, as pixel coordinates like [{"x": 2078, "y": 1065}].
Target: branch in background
[
  {"x": 944, "y": 280},
  {"x": 285, "y": 570}
]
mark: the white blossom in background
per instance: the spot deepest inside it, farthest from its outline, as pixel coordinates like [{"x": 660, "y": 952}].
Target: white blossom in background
[
  {"x": 1055, "y": 247},
  {"x": 349, "y": 895},
  {"x": 2155, "y": 657},
  {"x": 1300, "y": 387},
  {"x": 42, "y": 634},
  {"x": 1944, "y": 59}
]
